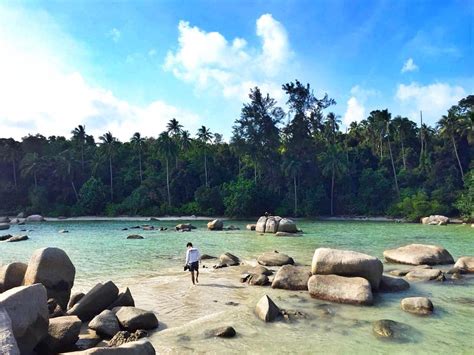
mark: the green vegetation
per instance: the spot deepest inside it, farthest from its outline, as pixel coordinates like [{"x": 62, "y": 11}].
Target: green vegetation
[{"x": 292, "y": 163}]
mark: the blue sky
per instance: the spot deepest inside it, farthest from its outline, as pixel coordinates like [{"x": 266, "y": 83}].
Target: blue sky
[{"x": 132, "y": 66}]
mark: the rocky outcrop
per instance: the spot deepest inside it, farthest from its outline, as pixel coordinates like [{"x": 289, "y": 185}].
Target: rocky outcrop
[
  {"x": 52, "y": 268},
  {"x": 28, "y": 311},
  {"x": 393, "y": 284},
  {"x": 271, "y": 226},
  {"x": 105, "y": 324},
  {"x": 132, "y": 318},
  {"x": 465, "y": 264},
  {"x": 261, "y": 223},
  {"x": 11, "y": 275},
  {"x": 435, "y": 220},
  {"x": 63, "y": 333},
  {"x": 95, "y": 301},
  {"x": 124, "y": 299},
  {"x": 417, "y": 305},
  {"x": 8, "y": 345},
  {"x": 424, "y": 274},
  {"x": 328, "y": 261},
  {"x": 275, "y": 224},
  {"x": 291, "y": 277},
  {"x": 274, "y": 259},
  {"x": 267, "y": 310},
  {"x": 334, "y": 288},
  {"x": 418, "y": 254},
  {"x": 215, "y": 225},
  {"x": 35, "y": 218},
  {"x": 228, "y": 259}
]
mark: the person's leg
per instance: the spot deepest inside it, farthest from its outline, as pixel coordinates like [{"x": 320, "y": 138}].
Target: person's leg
[
  {"x": 197, "y": 274},
  {"x": 192, "y": 277}
]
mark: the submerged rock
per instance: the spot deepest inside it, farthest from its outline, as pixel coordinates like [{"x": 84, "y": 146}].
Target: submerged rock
[
  {"x": 334, "y": 288},
  {"x": 393, "y": 284},
  {"x": 274, "y": 259},
  {"x": 291, "y": 277},
  {"x": 417, "y": 305},
  {"x": 267, "y": 310},
  {"x": 418, "y": 254},
  {"x": 424, "y": 274},
  {"x": 17, "y": 238},
  {"x": 223, "y": 332},
  {"x": 388, "y": 329},
  {"x": 135, "y": 236}
]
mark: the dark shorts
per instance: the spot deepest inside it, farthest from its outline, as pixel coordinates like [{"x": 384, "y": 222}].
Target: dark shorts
[{"x": 194, "y": 266}]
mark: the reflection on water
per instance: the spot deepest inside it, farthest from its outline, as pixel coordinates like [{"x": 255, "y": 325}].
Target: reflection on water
[{"x": 152, "y": 268}]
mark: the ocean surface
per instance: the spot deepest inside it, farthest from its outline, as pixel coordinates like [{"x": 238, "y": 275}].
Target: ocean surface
[{"x": 153, "y": 269}]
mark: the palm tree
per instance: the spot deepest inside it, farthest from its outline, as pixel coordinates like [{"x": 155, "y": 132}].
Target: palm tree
[
  {"x": 79, "y": 134},
  {"x": 30, "y": 165},
  {"x": 205, "y": 136},
  {"x": 391, "y": 157},
  {"x": 331, "y": 126},
  {"x": 108, "y": 143},
  {"x": 65, "y": 169},
  {"x": 167, "y": 149},
  {"x": 137, "y": 142},
  {"x": 292, "y": 168},
  {"x": 173, "y": 127},
  {"x": 448, "y": 126},
  {"x": 9, "y": 154},
  {"x": 403, "y": 126},
  {"x": 334, "y": 166}
]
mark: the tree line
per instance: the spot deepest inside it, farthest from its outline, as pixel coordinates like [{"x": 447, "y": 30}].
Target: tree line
[{"x": 296, "y": 163}]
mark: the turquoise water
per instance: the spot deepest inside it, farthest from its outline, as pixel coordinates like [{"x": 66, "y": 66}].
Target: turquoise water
[{"x": 152, "y": 267}]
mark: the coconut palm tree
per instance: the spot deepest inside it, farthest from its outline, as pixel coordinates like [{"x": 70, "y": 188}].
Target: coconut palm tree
[
  {"x": 64, "y": 163},
  {"x": 108, "y": 145},
  {"x": 403, "y": 126},
  {"x": 205, "y": 136},
  {"x": 333, "y": 166},
  {"x": 30, "y": 166},
  {"x": 292, "y": 168},
  {"x": 9, "y": 154},
  {"x": 79, "y": 134},
  {"x": 137, "y": 142},
  {"x": 448, "y": 127},
  {"x": 174, "y": 127},
  {"x": 167, "y": 149}
]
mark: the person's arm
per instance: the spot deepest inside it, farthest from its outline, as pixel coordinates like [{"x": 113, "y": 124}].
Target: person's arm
[{"x": 187, "y": 257}]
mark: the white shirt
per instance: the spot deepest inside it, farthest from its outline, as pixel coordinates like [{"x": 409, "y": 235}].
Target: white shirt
[{"x": 192, "y": 255}]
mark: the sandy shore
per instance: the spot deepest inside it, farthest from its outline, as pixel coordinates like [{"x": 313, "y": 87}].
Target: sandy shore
[{"x": 134, "y": 218}]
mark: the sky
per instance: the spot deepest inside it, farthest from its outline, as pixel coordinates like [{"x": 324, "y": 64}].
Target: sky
[{"x": 128, "y": 66}]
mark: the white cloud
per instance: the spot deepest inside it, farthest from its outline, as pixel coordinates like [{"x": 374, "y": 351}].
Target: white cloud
[
  {"x": 409, "y": 66},
  {"x": 434, "y": 99},
  {"x": 356, "y": 110},
  {"x": 41, "y": 91},
  {"x": 114, "y": 34},
  {"x": 209, "y": 61}
]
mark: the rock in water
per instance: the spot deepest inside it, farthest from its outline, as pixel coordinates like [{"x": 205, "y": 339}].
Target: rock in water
[
  {"x": 35, "y": 218},
  {"x": 393, "y": 284},
  {"x": 334, "y": 288},
  {"x": 95, "y": 301},
  {"x": 418, "y": 254},
  {"x": 28, "y": 311},
  {"x": 287, "y": 225},
  {"x": 272, "y": 224},
  {"x": 224, "y": 332},
  {"x": 132, "y": 318},
  {"x": 274, "y": 259},
  {"x": 52, "y": 268},
  {"x": 328, "y": 261},
  {"x": 435, "y": 220},
  {"x": 291, "y": 277},
  {"x": 134, "y": 236},
  {"x": 261, "y": 223},
  {"x": 267, "y": 310},
  {"x": 215, "y": 225},
  {"x": 17, "y": 238},
  {"x": 465, "y": 264},
  {"x": 389, "y": 329},
  {"x": 251, "y": 227},
  {"x": 286, "y": 234},
  {"x": 207, "y": 257},
  {"x": 4, "y": 226},
  {"x": 105, "y": 324},
  {"x": 424, "y": 274},
  {"x": 63, "y": 333},
  {"x": 229, "y": 259},
  {"x": 139, "y": 347},
  {"x": 123, "y": 299},
  {"x": 11, "y": 275},
  {"x": 417, "y": 305},
  {"x": 8, "y": 345},
  {"x": 4, "y": 220},
  {"x": 258, "y": 280},
  {"x": 259, "y": 269}
]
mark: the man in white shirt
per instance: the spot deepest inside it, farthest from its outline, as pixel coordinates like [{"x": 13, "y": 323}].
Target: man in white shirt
[{"x": 192, "y": 261}]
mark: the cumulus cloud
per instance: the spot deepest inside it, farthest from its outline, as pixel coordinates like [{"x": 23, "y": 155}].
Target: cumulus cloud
[
  {"x": 409, "y": 65},
  {"x": 209, "y": 60},
  {"x": 114, "y": 34},
  {"x": 356, "y": 110},
  {"x": 433, "y": 99},
  {"x": 42, "y": 92}
]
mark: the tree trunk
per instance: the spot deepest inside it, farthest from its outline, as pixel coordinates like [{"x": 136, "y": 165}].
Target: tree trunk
[
  {"x": 205, "y": 169},
  {"x": 140, "y": 166},
  {"x": 332, "y": 189},
  {"x": 255, "y": 173},
  {"x": 36, "y": 181},
  {"x": 14, "y": 173},
  {"x": 168, "y": 182},
  {"x": 75, "y": 191},
  {"x": 111, "y": 180},
  {"x": 403, "y": 153},
  {"x": 296, "y": 194},
  {"x": 457, "y": 157},
  {"x": 393, "y": 168}
]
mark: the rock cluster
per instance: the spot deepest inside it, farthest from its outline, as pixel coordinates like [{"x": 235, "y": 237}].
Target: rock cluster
[
  {"x": 436, "y": 220},
  {"x": 275, "y": 224}
]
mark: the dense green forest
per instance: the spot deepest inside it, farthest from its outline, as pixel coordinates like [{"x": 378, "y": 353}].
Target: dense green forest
[{"x": 296, "y": 163}]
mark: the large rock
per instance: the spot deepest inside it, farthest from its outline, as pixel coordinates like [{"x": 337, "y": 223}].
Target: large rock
[
  {"x": 328, "y": 261},
  {"x": 11, "y": 275},
  {"x": 261, "y": 223},
  {"x": 273, "y": 258},
  {"x": 418, "y": 254},
  {"x": 259, "y": 269},
  {"x": 424, "y": 274},
  {"x": 4, "y": 226},
  {"x": 291, "y": 277},
  {"x": 35, "y": 218},
  {"x": 215, "y": 225},
  {"x": 417, "y": 305},
  {"x": 123, "y": 299},
  {"x": 267, "y": 310},
  {"x": 95, "y": 301},
  {"x": 132, "y": 318},
  {"x": 4, "y": 220},
  {"x": 52, "y": 268},
  {"x": 465, "y": 264},
  {"x": 287, "y": 225},
  {"x": 17, "y": 238},
  {"x": 272, "y": 223},
  {"x": 435, "y": 220},
  {"x": 63, "y": 333},
  {"x": 105, "y": 324},
  {"x": 229, "y": 259},
  {"x": 334, "y": 288},
  {"x": 8, "y": 345},
  {"x": 28, "y": 311},
  {"x": 75, "y": 297},
  {"x": 139, "y": 347},
  {"x": 393, "y": 284}
]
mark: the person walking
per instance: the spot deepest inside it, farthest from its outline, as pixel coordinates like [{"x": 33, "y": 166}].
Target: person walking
[{"x": 192, "y": 261}]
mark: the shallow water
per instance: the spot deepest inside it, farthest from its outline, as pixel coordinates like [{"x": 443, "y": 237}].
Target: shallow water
[{"x": 152, "y": 268}]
